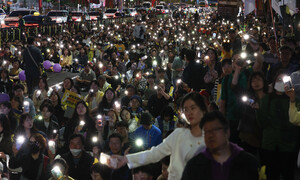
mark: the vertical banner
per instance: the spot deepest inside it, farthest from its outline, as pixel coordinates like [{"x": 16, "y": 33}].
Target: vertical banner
[
  {"x": 249, "y": 6},
  {"x": 276, "y": 6},
  {"x": 40, "y": 6},
  {"x": 153, "y": 2}
]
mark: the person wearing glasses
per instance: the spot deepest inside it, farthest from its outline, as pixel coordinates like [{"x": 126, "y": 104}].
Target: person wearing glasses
[{"x": 221, "y": 159}]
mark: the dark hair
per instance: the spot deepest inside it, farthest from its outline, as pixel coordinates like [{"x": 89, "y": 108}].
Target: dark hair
[
  {"x": 215, "y": 53},
  {"x": 226, "y": 61},
  {"x": 104, "y": 171},
  {"x": 6, "y": 72},
  {"x": 146, "y": 119},
  {"x": 197, "y": 98},
  {"x": 4, "y": 121},
  {"x": 63, "y": 52},
  {"x": 47, "y": 105},
  {"x": 30, "y": 40},
  {"x": 18, "y": 86},
  {"x": 21, "y": 128},
  {"x": 116, "y": 135},
  {"x": 261, "y": 75},
  {"x": 72, "y": 83},
  {"x": 125, "y": 109},
  {"x": 285, "y": 47},
  {"x": 58, "y": 97},
  {"x": 226, "y": 46},
  {"x": 167, "y": 111},
  {"x": 190, "y": 55},
  {"x": 73, "y": 136},
  {"x": 41, "y": 140},
  {"x": 95, "y": 82},
  {"x": 45, "y": 82},
  {"x": 212, "y": 116},
  {"x": 145, "y": 169},
  {"x": 166, "y": 161},
  {"x": 122, "y": 124},
  {"x": 75, "y": 116}
]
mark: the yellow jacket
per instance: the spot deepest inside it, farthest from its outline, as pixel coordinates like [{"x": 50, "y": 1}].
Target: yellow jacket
[
  {"x": 65, "y": 60},
  {"x": 93, "y": 102},
  {"x": 294, "y": 114}
]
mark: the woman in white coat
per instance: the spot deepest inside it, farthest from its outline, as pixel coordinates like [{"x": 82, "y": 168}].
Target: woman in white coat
[{"x": 181, "y": 145}]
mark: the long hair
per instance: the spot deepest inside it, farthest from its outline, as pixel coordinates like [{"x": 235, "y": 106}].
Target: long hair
[
  {"x": 4, "y": 122},
  {"x": 104, "y": 102}
]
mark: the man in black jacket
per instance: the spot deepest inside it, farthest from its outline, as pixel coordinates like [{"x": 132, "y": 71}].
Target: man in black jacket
[
  {"x": 32, "y": 59},
  {"x": 221, "y": 159},
  {"x": 79, "y": 161}
]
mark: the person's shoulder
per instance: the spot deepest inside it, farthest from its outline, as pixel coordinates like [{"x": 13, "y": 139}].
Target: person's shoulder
[
  {"x": 247, "y": 158},
  {"x": 198, "y": 159}
]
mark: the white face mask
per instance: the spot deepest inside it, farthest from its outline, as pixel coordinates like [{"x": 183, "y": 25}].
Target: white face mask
[
  {"x": 279, "y": 86},
  {"x": 75, "y": 152}
]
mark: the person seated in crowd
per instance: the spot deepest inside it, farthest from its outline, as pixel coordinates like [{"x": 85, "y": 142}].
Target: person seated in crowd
[
  {"x": 161, "y": 77},
  {"x": 40, "y": 94},
  {"x": 66, "y": 59},
  {"x": 5, "y": 141},
  {"x": 82, "y": 57},
  {"x": 6, "y": 84},
  {"x": 100, "y": 172},
  {"x": 166, "y": 121},
  {"x": 149, "y": 90},
  {"x": 82, "y": 123},
  {"x": 113, "y": 78},
  {"x": 35, "y": 165},
  {"x": 107, "y": 102},
  {"x": 147, "y": 132},
  {"x": 127, "y": 117},
  {"x": 94, "y": 97},
  {"x": 47, "y": 121},
  {"x": 142, "y": 173},
  {"x": 79, "y": 161},
  {"x": 284, "y": 64},
  {"x": 122, "y": 129},
  {"x": 221, "y": 158},
  {"x": 164, "y": 168},
  {"x": 158, "y": 100},
  {"x": 85, "y": 78},
  {"x": 103, "y": 84},
  {"x": 58, "y": 108},
  {"x": 27, "y": 103},
  {"x": 7, "y": 109},
  {"x": 135, "y": 106},
  {"x": 129, "y": 92},
  {"x": 115, "y": 144},
  {"x": 59, "y": 170},
  {"x": 15, "y": 70}
]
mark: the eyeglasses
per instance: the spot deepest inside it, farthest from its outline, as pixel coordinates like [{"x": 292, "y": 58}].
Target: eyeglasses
[{"x": 213, "y": 131}]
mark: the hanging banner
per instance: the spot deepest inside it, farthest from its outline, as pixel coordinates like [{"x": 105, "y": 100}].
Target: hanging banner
[
  {"x": 249, "y": 6},
  {"x": 276, "y": 6}
]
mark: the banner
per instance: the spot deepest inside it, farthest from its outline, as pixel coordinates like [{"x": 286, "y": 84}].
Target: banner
[
  {"x": 276, "y": 6},
  {"x": 291, "y": 4},
  {"x": 71, "y": 99},
  {"x": 249, "y": 6}
]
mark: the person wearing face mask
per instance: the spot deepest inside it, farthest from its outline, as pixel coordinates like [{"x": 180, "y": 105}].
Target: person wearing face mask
[
  {"x": 78, "y": 160},
  {"x": 280, "y": 138},
  {"x": 35, "y": 164}
]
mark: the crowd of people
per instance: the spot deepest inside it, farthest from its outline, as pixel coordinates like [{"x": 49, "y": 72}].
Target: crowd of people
[{"x": 187, "y": 96}]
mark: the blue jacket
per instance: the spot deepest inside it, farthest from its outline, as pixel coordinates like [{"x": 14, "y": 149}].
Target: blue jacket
[{"x": 151, "y": 137}]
